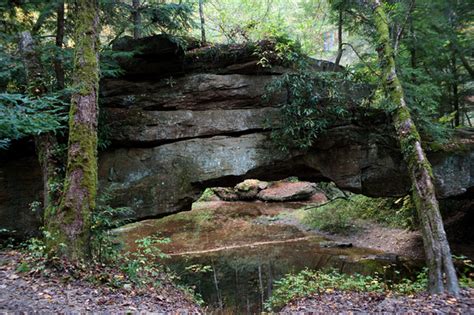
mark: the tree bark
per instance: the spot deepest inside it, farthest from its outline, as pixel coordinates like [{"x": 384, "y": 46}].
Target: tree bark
[
  {"x": 436, "y": 245},
  {"x": 465, "y": 63},
  {"x": 455, "y": 98},
  {"x": 203, "y": 29},
  {"x": 58, "y": 59},
  {"x": 70, "y": 228},
  {"x": 137, "y": 19},
  {"x": 339, "y": 39},
  {"x": 45, "y": 143}
]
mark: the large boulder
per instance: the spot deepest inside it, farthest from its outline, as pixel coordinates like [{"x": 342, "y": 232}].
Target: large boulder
[
  {"x": 249, "y": 188},
  {"x": 173, "y": 136},
  {"x": 288, "y": 191}
]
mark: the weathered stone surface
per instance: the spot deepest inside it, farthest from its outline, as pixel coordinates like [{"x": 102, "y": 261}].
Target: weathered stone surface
[
  {"x": 20, "y": 185},
  {"x": 318, "y": 198},
  {"x": 136, "y": 126},
  {"x": 249, "y": 188},
  {"x": 175, "y": 136},
  {"x": 287, "y": 191},
  {"x": 226, "y": 193},
  {"x": 170, "y": 177},
  {"x": 202, "y": 91}
]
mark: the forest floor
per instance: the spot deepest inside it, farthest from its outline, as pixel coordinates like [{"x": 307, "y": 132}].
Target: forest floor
[
  {"x": 356, "y": 302},
  {"x": 56, "y": 293}
]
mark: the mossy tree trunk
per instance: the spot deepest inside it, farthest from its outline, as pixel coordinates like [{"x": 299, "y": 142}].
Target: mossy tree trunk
[
  {"x": 437, "y": 251},
  {"x": 69, "y": 228},
  {"x": 45, "y": 143}
]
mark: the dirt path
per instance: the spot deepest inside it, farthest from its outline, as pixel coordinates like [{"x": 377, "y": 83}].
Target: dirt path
[
  {"x": 20, "y": 293},
  {"x": 363, "y": 303}
]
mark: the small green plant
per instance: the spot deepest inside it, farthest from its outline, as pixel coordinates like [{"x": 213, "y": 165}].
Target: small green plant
[
  {"x": 143, "y": 265},
  {"x": 105, "y": 246},
  {"x": 206, "y": 195},
  {"x": 394, "y": 212},
  {"x": 465, "y": 270},
  {"x": 22, "y": 116},
  {"x": 308, "y": 282},
  {"x": 344, "y": 214},
  {"x": 408, "y": 286},
  {"x": 198, "y": 268},
  {"x": 337, "y": 216},
  {"x": 35, "y": 206},
  {"x": 35, "y": 260},
  {"x": 314, "y": 101},
  {"x": 279, "y": 49}
]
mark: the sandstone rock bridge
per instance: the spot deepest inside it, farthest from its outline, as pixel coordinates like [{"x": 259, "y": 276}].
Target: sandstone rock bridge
[{"x": 180, "y": 122}]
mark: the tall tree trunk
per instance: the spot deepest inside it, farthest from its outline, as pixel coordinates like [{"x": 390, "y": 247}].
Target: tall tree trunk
[
  {"x": 137, "y": 19},
  {"x": 70, "y": 227},
  {"x": 45, "y": 143},
  {"x": 455, "y": 99},
  {"x": 465, "y": 63},
  {"x": 203, "y": 29},
  {"x": 436, "y": 245},
  {"x": 339, "y": 39},
  {"x": 58, "y": 59}
]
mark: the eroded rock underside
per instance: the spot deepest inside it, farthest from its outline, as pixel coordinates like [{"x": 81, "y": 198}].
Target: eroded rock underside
[{"x": 197, "y": 120}]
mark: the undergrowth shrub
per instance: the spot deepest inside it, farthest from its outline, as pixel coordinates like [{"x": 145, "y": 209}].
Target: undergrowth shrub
[
  {"x": 343, "y": 215},
  {"x": 314, "y": 101},
  {"x": 308, "y": 282},
  {"x": 104, "y": 243}
]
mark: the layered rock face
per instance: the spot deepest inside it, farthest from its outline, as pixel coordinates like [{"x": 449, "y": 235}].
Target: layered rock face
[{"x": 174, "y": 135}]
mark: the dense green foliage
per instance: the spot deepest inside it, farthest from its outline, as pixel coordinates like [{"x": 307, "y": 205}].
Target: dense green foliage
[
  {"x": 22, "y": 116},
  {"x": 309, "y": 282},
  {"x": 170, "y": 17},
  {"x": 105, "y": 245},
  {"x": 343, "y": 215},
  {"x": 433, "y": 46},
  {"x": 314, "y": 101}
]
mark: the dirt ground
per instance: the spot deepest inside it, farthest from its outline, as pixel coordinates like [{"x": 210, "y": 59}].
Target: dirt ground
[
  {"x": 362, "y": 303},
  {"x": 25, "y": 293}
]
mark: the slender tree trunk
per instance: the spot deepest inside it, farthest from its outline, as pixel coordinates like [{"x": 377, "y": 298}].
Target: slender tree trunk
[
  {"x": 339, "y": 39},
  {"x": 137, "y": 19},
  {"x": 413, "y": 59},
  {"x": 216, "y": 284},
  {"x": 465, "y": 63},
  {"x": 45, "y": 143},
  {"x": 436, "y": 245},
  {"x": 203, "y": 29},
  {"x": 455, "y": 99},
  {"x": 70, "y": 227},
  {"x": 58, "y": 60},
  {"x": 260, "y": 286}
]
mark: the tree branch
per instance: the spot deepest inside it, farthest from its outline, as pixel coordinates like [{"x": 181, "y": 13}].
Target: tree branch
[
  {"x": 362, "y": 59},
  {"x": 402, "y": 28}
]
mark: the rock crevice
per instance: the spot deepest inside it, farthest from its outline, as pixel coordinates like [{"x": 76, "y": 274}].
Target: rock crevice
[{"x": 174, "y": 133}]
